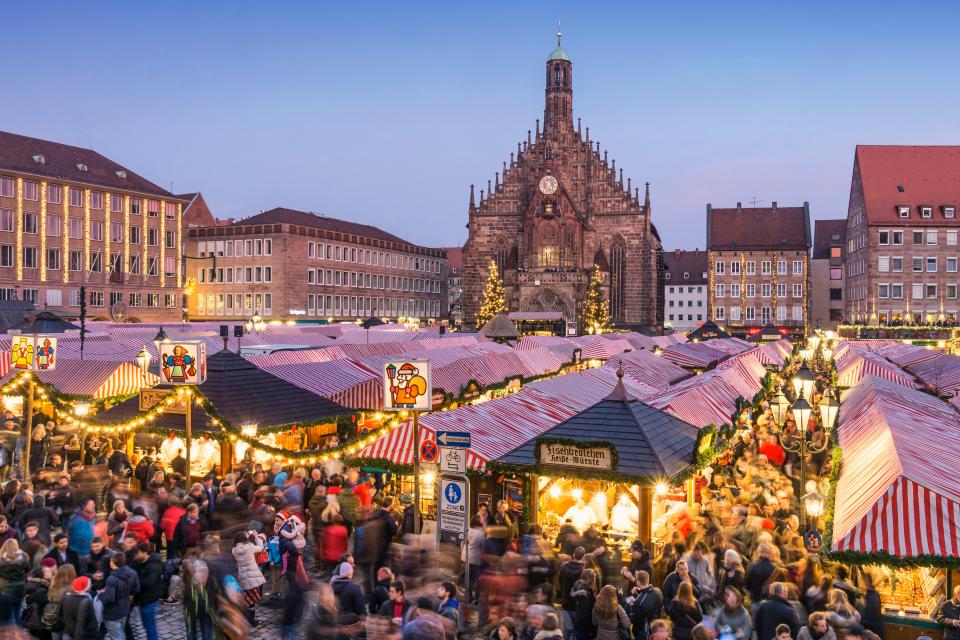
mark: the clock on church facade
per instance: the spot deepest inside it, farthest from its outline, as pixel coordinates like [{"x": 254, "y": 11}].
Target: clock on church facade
[{"x": 556, "y": 210}]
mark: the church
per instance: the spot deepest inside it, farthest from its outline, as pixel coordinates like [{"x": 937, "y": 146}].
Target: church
[{"x": 558, "y": 209}]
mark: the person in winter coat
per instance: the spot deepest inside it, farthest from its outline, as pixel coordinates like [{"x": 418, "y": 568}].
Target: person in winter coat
[
  {"x": 334, "y": 542},
  {"x": 350, "y": 601},
  {"x": 608, "y": 616},
  {"x": 117, "y": 521},
  {"x": 817, "y": 628},
  {"x": 35, "y": 595},
  {"x": 447, "y": 604},
  {"x": 381, "y": 590},
  {"x": 327, "y": 622},
  {"x": 96, "y": 566},
  {"x": 187, "y": 534},
  {"x": 171, "y": 516},
  {"x": 549, "y": 629},
  {"x": 122, "y": 583},
  {"x": 733, "y": 618},
  {"x": 407, "y": 524},
  {"x": 684, "y": 611},
  {"x": 947, "y": 617},
  {"x": 584, "y": 594},
  {"x": 6, "y": 531},
  {"x": 140, "y": 526},
  {"x": 149, "y": 569},
  {"x": 247, "y": 544},
  {"x": 774, "y": 611},
  {"x": 671, "y": 584},
  {"x": 840, "y": 613},
  {"x": 349, "y": 507},
  {"x": 871, "y": 613},
  {"x": 759, "y": 574},
  {"x": 647, "y": 605},
  {"x": 81, "y": 527},
  {"x": 42, "y": 515},
  {"x": 62, "y": 554},
  {"x": 13, "y": 581},
  {"x": 569, "y": 574},
  {"x": 731, "y": 573},
  {"x": 79, "y": 617},
  {"x": 197, "y": 599}
]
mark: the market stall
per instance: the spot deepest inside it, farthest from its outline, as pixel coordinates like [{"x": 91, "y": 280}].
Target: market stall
[
  {"x": 601, "y": 467},
  {"x": 896, "y": 499}
]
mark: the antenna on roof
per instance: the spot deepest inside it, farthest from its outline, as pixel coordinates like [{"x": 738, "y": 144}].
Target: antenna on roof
[{"x": 755, "y": 201}]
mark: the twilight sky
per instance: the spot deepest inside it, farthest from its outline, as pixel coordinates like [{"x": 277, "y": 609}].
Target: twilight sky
[{"x": 384, "y": 113}]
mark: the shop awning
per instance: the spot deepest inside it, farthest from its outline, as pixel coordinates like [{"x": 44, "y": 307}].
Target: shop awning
[
  {"x": 694, "y": 355},
  {"x": 92, "y": 378},
  {"x": 898, "y": 491},
  {"x": 649, "y": 444}
]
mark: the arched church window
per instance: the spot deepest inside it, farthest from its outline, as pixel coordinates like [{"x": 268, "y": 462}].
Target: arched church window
[
  {"x": 558, "y": 76},
  {"x": 618, "y": 272}
]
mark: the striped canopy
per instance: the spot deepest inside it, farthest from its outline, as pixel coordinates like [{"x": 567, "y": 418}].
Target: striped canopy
[
  {"x": 93, "y": 378},
  {"x": 898, "y": 491}
]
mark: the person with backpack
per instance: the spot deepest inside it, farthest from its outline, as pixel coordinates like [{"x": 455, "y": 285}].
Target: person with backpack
[
  {"x": 149, "y": 568},
  {"x": 122, "y": 583},
  {"x": 79, "y": 615}
]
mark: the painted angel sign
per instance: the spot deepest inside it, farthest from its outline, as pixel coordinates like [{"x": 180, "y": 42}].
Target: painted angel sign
[{"x": 33, "y": 353}]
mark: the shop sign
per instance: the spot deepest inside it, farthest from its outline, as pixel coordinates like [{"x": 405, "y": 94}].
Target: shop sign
[
  {"x": 183, "y": 362},
  {"x": 813, "y": 542},
  {"x": 574, "y": 455},
  {"x": 406, "y": 385},
  {"x": 472, "y": 391},
  {"x": 33, "y": 353},
  {"x": 150, "y": 398}
]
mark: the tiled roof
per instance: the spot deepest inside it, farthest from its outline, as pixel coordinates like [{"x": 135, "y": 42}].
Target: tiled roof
[
  {"x": 240, "y": 392},
  {"x": 454, "y": 258},
  {"x": 929, "y": 176},
  {"x": 650, "y": 443},
  {"x": 61, "y": 162},
  {"x": 828, "y": 233},
  {"x": 693, "y": 263},
  {"x": 282, "y": 215},
  {"x": 760, "y": 228}
]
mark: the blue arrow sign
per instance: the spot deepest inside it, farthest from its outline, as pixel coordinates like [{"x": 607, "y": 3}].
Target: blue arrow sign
[{"x": 454, "y": 439}]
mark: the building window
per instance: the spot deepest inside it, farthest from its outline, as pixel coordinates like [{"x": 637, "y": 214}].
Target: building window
[
  {"x": 6, "y": 255},
  {"x": 896, "y": 291},
  {"x": 6, "y": 187},
  {"x": 750, "y": 313},
  {"x": 916, "y": 291},
  {"x": 53, "y": 194},
  {"x": 618, "y": 280},
  {"x": 951, "y": 292},
  {"x": 751, "y": 290},
  {"x": 170, "y": 210},
  {"x": 7, "y": 216},
  {"x": 836, "y": 253},
  {"x": 153, "y": 237},
  {"x": 951, "y": 265},
  {"x": 96, "y": 262},
  {"x": 798, "y": 291},
  {"x": 30, "y": 190},
  {"x": 134, "y": 235},
  {"x": 76, "y": 197},
  {"x": 718, "y": 313},
  {"x": 918, "y": 237},
  {"x": 170, "y": 300},
  {"x": 750, "y": 267},
  {"x": 896, "y": 237},
  {"x": 931, "y": 292},
  {"x": 781, "y": 267},
  {"x": 781, "y": 291},
  {"x": 76, "y": 228},
  {"x": 765, "y": 290},
  {"x": 883, "y": 264},
  {"x": 765, "y": 267},
  {"x": 53, "y": 226},
  {"x": 96, "y": 230},
  {"x": 931, "y": 265},
  {"x": 904, "y": 211},
  {"x": 734, "y": 292},
  {"x": 116, "y": 203},
  {"x": 883, "y": 290},
  {"x": 136, "y": 299},
  {"x": 153, "y": 265},
  {"x": 926, "y": 212},
  {"x": 96, "y": 298},
  {"x": 735, "y": 314},
  {"x": 134, "y": 206},
  {"x": 76, "y": 260},
  {"x": 836, "y": 294},
  {"x": 896, "y": 262},
  {"x": 135, "y": 264},
  {"x": 917, "y": 264},
  {"x": 29, "y": 222},
  {"x": 735, "y": 268},
  {"x": 798, "y": 267},
  {"x": 718, "y": 267},
  {"x": 29, "y": 257},
  {"x": 96, "y": 200},
  {"x": 932, "y": 236},
  {"x": 53, "y": 259},
  {"x": 949, "y": 212},
  {"x": 153, "y": 208}
]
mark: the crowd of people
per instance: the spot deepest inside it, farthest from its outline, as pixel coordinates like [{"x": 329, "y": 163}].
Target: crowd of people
[{"x": 93, "y": 548}]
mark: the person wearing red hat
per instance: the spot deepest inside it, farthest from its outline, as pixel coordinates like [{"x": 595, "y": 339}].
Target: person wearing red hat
[{"x": 79, "y": 618}]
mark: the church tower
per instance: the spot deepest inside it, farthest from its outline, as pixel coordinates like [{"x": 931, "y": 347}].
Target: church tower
[
  {"x": 558, "y": 210},
  {"x": 558, "y": 112}
]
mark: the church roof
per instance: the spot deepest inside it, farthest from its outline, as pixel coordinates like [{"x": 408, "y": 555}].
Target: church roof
[{"x": 559, "y": 54}]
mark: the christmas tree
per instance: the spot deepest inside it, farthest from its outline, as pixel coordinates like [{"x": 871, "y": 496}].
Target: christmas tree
[
  {"x": 594, "y": 313},
  {"x": 493, "y": 298}
]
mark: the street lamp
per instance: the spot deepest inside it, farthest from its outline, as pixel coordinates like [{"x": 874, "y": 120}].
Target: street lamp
[
  {"x": 813, "y": 341},
  {"x": 143, "y": 361},
  {"x": 801, "y": 443},
  {"x": 801, "y": 411},
  {"x": 829, "y": 408},
  {"x": 813, "y": 504},
  {"x": 804, "y": 381},
  {"x": 779, "y": 406},
  {"x": 159, "y": 339},
  {"x": 827, "y": 354}
]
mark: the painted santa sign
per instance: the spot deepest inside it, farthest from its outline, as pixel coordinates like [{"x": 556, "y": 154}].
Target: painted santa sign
[
  {"x": 406, "y": 385},
  {"x": 183, "y": 362},
  {"x": 33, "y": 353}
]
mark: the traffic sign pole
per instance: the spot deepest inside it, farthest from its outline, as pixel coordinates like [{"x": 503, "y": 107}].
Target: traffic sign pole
[{"x": 416, "y": 472}]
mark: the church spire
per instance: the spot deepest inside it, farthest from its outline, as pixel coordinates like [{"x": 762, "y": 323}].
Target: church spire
[
  {"x": 558, "y": 111},
  {"x": 646, "y": 199},
  {"x": 473, "y": 204}
]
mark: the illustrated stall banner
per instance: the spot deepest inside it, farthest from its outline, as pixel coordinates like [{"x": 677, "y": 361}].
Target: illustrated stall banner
[
  {"x": 406, "y": 385},
  {"x": 183, "y": 362},
  {"x": 33, "y": 353}
]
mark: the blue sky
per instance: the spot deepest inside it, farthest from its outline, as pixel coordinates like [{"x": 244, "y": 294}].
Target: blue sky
[{"x": 385, "y": 113}]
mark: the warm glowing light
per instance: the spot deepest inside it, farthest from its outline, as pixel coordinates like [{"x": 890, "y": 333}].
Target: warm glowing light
[
  {"x": 661, "y": 489},
  {"x": 577, "y": 494},
  {"x": 554, "y": 491},
  {"x": 429, "y": 477}
]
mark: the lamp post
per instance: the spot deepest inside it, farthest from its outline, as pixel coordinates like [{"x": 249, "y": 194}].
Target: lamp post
[
  {"x": 804, "y": 381},
  {"x": 802, "y": 444},
  {"x": 143, "y": 362}
]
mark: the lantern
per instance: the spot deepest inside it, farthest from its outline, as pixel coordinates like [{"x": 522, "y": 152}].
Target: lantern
[
  {"x": 779, "y": 406},
  {"x": 829, "y": 408},
  {"x": 813, "y": 504},
  {"x": 804, "y": 381},
  {"x": 144, "y": 359},
  {"x": 160, "y": 339},
  {"x": 81, "y": 409},
  {"x": 801, "y": 410}
]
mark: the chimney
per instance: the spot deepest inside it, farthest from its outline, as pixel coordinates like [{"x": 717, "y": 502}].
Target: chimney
[
  {"x": 676, "y": 252},
  {"x": 739, "y": 206},
  {"x": 773, "y": 205}
]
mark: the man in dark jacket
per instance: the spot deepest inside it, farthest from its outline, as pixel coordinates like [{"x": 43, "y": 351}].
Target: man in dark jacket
[
  {"x": 63, "y": 554},
  {"x": 774, "y": 611},
  {"x": 149, "y": 569},
  {"x": 759, "y": 572},
  {"x": 647, "y": 605},
  {"x": 672, "y": 583},
  {"x": 96, "y": 566},
  {"x": 42, "y": 515},
  {"x": 79, "y": 618},
  {"x": 350, "y": 601},
  {"x": 115, "y": 597},
  {"x": 570, "y": 572},
  {"x": 948, "y": 616},
  {"x": 231, "y": 511},
  {"x": 187, "y": 533}
]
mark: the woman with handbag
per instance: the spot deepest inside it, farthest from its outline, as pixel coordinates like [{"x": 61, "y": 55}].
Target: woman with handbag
[
  {"x": 609, "y": 618},
  {"x": 248, "y": 548},
  {"x": 685, "y": 612}
]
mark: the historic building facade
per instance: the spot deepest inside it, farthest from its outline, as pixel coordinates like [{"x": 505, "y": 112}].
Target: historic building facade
[
  {"x": 684, "y": 289},
  {"x": 556, "y": 209},
  {"x": 901, "y": 259},
  {"x": 284, "y": 264},
  {"x": 759, "y": 268},
  {"x": 72, "y": 218},
  {"x": 826, "y": 273}
]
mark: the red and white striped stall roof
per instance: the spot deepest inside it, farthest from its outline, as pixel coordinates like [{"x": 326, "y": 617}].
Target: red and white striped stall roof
[
  {"x": 898, "y": 491},
  {"x": 343, "y": 381},
  {"x": 693, "y": 355},
  {"x": 645, "y": 367},
  {"x": 868, "y": 364},
  {"x": 93, "y": 378}
]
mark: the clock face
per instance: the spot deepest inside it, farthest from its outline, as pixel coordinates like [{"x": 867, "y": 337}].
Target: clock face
[{"x": 548, "y": 185}]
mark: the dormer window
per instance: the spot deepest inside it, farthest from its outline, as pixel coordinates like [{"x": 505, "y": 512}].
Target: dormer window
[
  {"x": 926, "y": 211},
  {"x": 666, "y": 276},
  {"x": 686, "y": 275},
  {"x": 949, "y": 211},
  {"x": 122, "y": 175},
  {"x": 82, "y": 167},
  {"x": 904, "y": 211},
  {"x": 39, "y": 159}
]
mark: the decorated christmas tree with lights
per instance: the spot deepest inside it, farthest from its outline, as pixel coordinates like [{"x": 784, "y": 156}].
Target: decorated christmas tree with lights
[
  {"x": 494, "y": 301},
  {"x": 594, "y": 312}
]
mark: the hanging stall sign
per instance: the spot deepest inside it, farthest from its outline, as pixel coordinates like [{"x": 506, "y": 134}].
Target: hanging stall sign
[
  {"x": 575, "y": 455},
  {"x": 813, "y": 541},
  {"x": 33, "y": 353},
  {"x": 406, "y": 385},
  {"x": 183, "y": 362},
  {"x": 150, "y": 398}
]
